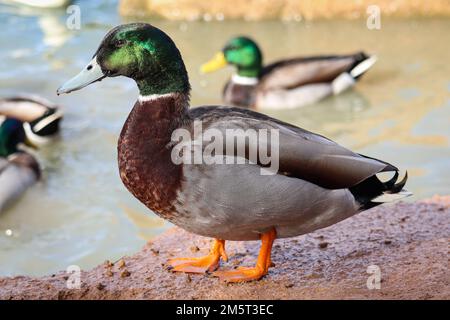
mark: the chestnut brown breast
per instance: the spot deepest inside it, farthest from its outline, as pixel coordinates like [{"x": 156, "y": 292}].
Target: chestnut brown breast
[
  {"x": 145, "y": 164},
  {"x": 239, "y": 95}
]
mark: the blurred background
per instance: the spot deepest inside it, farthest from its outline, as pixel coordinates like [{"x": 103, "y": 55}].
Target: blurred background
[{"x": 82, "y": 214}]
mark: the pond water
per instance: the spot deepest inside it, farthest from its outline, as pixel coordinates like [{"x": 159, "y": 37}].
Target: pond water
[{"x": 82, "y": 214}]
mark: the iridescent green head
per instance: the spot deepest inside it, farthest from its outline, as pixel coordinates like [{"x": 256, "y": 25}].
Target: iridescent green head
[
  {"x": 11, "y": 135},
  {"x": 241, "y": 52},
  {"x": 138, "y": 51}
]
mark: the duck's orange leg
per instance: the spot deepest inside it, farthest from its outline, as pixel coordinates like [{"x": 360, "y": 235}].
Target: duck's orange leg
[
  {"x": 208, "y": 263},
  {"x": 263, "y": 263}
]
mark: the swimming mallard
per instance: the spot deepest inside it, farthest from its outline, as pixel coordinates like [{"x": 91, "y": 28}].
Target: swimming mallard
[
  {"x": 18, "y": 169},
  {"x": 41, "y": 118},
  {"x": 287, "y": 83},
  {"x": 318, "y": 182}
]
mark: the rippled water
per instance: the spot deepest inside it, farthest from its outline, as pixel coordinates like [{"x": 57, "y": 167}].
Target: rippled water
[{"x": 81, "y": 213}]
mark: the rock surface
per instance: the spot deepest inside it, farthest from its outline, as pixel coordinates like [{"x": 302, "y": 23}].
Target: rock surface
[
  {"x": 409, "y": 242},
  {"x": 278, "y": 9}
]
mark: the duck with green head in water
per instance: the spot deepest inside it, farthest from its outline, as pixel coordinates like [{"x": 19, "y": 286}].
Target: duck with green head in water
[
  {"x": 18, "y": 170},
  {"x": 287, "y": 83},
  {"x": 318, "y": 182}
]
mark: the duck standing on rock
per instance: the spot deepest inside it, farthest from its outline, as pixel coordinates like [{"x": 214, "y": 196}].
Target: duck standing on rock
[
  {"x": 288, "y": 83},
  {"x": 318, "y": 182},
  {"x": 41, "y": 118},
  {"x": 18, "y": 169}
]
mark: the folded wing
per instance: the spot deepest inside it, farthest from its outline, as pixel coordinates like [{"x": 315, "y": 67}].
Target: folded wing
[
  {"x": 289, "y": 74},
  {"x": 301, "y": 153}
]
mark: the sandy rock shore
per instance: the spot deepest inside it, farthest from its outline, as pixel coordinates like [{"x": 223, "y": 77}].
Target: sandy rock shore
[
  {"x": 408, "y": 242},
  {"x": 278, "y": 9}
]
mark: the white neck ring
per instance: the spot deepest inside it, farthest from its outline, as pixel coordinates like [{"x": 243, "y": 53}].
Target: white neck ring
[
  {"x": 246, "y": 81},
  {"x": 153, "y": 97}
]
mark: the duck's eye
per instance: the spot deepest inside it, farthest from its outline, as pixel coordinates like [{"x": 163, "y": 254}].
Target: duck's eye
[
  {"x": 232, "y": 47},
  {"x": 120, "y": 43}
]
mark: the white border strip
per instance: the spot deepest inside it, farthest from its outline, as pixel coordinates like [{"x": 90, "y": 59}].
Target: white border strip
[
  {"x": 246, "y": 81},
  {"x": 154, "y": 97}
]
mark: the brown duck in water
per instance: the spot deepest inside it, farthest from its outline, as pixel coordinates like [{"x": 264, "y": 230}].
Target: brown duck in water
[
  {"x": 318, "y": 183},
  {"x": 288, "y": 83}
]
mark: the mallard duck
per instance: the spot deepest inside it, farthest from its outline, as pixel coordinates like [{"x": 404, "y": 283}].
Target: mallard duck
[
  {"x": 18, "y": 169},
  {"x": 41, "y": 118},
  {"x": 318, "y": 182},
  {"x": 287, "y": 83}
]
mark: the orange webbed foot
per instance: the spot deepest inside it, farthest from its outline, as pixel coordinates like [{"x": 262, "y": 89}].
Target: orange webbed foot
[
  {"x": 208, "y": 263},
  {"x": 194, "y": 265},
  {"x": 244, "y": 274}
]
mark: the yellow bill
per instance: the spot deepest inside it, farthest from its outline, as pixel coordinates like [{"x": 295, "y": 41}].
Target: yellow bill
[{"x": 216, "y": 63}]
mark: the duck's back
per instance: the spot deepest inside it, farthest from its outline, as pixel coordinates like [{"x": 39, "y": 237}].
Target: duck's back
[{"x": 292, "y": 73}]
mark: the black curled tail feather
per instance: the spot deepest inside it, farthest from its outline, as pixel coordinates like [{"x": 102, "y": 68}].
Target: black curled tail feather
[
  {"x": 398, "y": 187},
  {"x": 367, "y": 191},
  {"x": 391, "y": 182}
]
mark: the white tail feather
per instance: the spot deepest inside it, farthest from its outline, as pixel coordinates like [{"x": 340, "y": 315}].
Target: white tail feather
[
  {"x": 389, "y": 197},
  {"x": 342, "y": 83}
]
